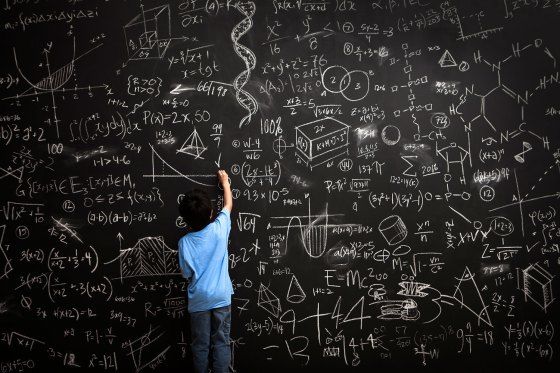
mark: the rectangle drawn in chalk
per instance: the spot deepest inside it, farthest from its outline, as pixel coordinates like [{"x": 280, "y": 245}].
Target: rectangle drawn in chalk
[{"x": 321, "y": 140}]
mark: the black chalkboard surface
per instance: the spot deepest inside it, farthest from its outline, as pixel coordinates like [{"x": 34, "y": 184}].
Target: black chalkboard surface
[{"x": 394, "y": 164}]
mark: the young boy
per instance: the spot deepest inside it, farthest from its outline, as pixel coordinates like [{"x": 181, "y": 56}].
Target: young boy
[{"x": 203, "y": 258}]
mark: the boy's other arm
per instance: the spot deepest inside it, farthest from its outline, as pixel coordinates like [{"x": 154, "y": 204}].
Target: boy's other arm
[
  {"x": 228, "y": 200},
  {"x": 186, "y": 271}
]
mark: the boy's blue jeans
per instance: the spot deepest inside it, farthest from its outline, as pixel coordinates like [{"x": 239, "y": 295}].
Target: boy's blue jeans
[{"x": 211, "y": 329}]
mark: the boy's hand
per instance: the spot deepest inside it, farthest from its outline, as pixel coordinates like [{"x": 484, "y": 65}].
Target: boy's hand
[
  {"x": 224, "y": 181},
  {"x": 223, "y": 177}
]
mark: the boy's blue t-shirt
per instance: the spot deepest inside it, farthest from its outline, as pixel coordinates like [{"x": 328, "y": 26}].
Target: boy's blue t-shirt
[{"x": 203, "y": 258}]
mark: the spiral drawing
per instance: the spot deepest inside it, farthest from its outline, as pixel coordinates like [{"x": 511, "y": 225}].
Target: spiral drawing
[{"x": 245, "y": 99}]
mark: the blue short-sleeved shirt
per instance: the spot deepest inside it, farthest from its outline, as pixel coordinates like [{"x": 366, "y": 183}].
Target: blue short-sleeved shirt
[{"x": 203, "y": 258}]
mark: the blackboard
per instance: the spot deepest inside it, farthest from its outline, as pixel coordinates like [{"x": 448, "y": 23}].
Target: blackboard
[{"x": 394, "y": 166}]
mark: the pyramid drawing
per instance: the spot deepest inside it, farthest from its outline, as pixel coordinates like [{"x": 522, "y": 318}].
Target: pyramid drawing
[
  {"x": 193, "y": 145},
  {"x": 468, "y": 295},
  {"x": 447, "y": 60},
  {"x": 295, "y": 292},
  {"x": 268, "y": 301},
  {"x": 163, "y": 169},
  {"x": 149, "y": 256}
]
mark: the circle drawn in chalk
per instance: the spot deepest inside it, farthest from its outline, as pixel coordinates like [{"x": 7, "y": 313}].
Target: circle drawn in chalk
[
  {"x": 355, "y": 85},
  {"x": 486, "y": 193},
  {"x": 381, "y": 255},
  {"x": 22, "y": 232},
  {"x": 439, "y": 120},
  {"x": 402, "y": 250},
  {"x": 334, "y": 76},
  {"x": 348, "y": 28},
  {"x": 464, "y": 66},
  {"x": 501, "y": 226},
  {"x": 279, "y": 146},
  {"x": 26, "y": 302},
  {"x": 68, "y": 206},
  {"x": 345, "y": 164},
  {"x": 396, "y": 133},
  {"x": 235, "y": 169}
]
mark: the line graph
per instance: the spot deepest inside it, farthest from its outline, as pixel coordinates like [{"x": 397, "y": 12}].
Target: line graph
[
  {"x": 54, "y": 81},
  {"x": 165, "y": 170}
]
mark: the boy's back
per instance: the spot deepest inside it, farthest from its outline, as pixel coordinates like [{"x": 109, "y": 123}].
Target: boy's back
[{"x": 203, "y": 258}]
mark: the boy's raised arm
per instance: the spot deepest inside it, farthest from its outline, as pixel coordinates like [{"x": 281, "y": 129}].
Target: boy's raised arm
[{"x": 224, "y": 181}]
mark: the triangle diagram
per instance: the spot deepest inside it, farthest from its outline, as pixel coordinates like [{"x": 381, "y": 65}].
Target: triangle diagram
[
  {"x": 468, "y": 295},
  {"x": 193, "y": 145},
  {"x": 163, "y": 169},
  {"x": 268, "y": 301},
  {"x": 15, "y": 173},
  {"x": 447, "y": 60},
  {"x": 295, "y": 291}
]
